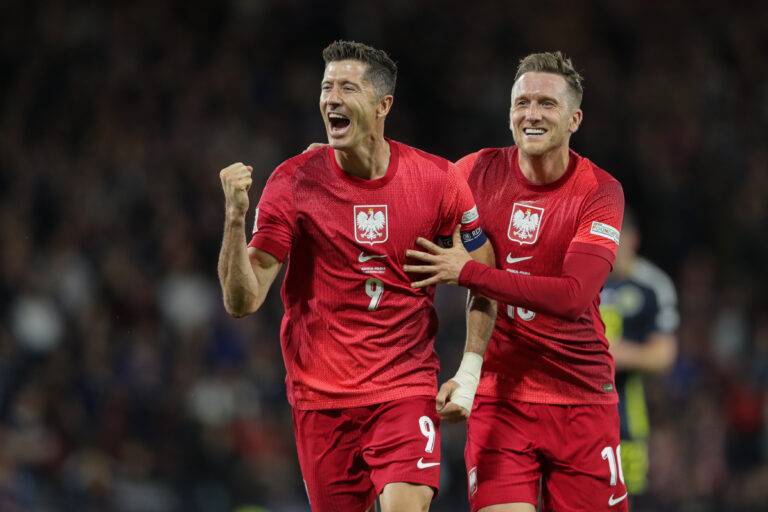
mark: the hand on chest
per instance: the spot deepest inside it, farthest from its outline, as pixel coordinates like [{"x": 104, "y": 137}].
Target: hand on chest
[{"x": 368, "y": 228}]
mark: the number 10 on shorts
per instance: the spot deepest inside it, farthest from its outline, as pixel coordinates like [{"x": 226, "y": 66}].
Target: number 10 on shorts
[{"x": 614, "y": 463}]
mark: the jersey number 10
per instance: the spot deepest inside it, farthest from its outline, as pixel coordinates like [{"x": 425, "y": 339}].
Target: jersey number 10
[{"x": 524, "y": 314}]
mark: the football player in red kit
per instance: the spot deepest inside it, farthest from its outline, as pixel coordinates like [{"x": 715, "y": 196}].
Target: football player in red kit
[
  {"x": 545, "y": 409},
  {"x": 357, "y": 339}
]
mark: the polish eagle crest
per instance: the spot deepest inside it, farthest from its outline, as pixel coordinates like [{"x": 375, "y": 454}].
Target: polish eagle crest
[
  {"x": 524, "y": 223},
  {"x": 371, "y": 224}
]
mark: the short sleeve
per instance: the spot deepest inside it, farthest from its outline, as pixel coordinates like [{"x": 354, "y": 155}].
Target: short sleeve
[
  {"x": 458, "y": 205},
  {"x": 599, "y": 227},
  {"x": 465, "y": 165},
  {"x": 273, "y": 226}
]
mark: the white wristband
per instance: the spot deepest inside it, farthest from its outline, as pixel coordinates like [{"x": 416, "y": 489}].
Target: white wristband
[{"x": 468, "y": 378}]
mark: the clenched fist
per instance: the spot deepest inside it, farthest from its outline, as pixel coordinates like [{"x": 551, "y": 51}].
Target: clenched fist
[{"x": 236, "y": 181}]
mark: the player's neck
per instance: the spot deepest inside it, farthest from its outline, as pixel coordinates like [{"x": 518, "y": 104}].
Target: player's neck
[
  {"x": 546, "y": 168},
  {"x": 368, "y": 160}
]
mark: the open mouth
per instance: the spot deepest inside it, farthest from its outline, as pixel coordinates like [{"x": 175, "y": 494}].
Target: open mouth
[
  {"x": 337, "y": 124},
  {"x": 534, "y": 131}
]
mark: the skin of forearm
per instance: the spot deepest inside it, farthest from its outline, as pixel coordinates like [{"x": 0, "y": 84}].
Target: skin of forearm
[
  {"x": 655, "y": 356},
  {"x": 239, "y": 284},
  {"x": 481, "y": 319},
  {"x": 481, "y": 311}
]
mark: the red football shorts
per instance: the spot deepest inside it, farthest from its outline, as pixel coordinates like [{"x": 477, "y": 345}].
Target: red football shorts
[
  {"x": 574, "y": 449},
  {"x": 347, "y": 456}
]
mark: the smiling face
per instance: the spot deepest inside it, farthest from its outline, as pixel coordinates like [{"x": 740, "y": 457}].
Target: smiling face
[
  {"x": 351, "y": 109},
  {"x": 543, "y": 114}
]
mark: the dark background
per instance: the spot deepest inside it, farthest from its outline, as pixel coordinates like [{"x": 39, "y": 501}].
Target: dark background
[{"x": 125, "y": 386}]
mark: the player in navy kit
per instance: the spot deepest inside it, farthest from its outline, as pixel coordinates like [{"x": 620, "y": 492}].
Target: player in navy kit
[{"x": 639, "y": 308}]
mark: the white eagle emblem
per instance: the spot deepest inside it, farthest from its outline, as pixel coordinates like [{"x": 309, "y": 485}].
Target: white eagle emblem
[
  {"x": 524, "y": 223},
  {"x": 371, "y": 224}
]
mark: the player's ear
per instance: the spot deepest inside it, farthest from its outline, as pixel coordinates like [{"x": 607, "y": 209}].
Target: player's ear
[
  {"x": 384, "y": 106},
  {"x": 576, "y": 117}
]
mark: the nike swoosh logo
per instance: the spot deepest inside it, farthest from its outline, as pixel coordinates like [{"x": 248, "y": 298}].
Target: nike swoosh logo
[
  {"x": 512, "y": 260},
  {"x": 363, "y": 258},
  {"x": 612, "y": 501},
  {"x": 421, "y": 464}
]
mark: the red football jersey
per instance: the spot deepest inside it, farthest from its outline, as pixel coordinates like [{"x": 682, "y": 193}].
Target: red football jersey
[
  {"x": 532, "y": 356},
  {"x": 354, "y": 332}
]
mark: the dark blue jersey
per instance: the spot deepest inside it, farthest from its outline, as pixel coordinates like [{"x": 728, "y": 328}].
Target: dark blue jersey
[{"x": 633, "y": 308}]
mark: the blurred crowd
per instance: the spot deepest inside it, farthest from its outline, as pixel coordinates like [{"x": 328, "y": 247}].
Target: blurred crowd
[{"x": 125, "y": 387}]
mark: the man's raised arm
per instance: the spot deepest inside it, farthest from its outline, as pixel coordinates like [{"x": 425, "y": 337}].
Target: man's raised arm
[{"x": 245, "y": 274}]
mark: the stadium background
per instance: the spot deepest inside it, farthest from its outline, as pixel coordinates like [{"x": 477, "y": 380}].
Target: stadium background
[{"x": 123, "y": 384}]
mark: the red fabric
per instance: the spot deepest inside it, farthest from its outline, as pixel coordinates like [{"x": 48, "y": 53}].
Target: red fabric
[
  {"x": 465, "y": 165},
  {"x": 555, "y": 241},
  {"x": 507, "y": 441},
  {"x": 354, "y": 331},
  {"x": 567, "y": 296},
  {"x": 347, "y": 456}
]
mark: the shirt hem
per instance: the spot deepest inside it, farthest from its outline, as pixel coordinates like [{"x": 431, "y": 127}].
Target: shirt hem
[
  {"x": 276, "y": 249},
  {"x": 547, "y": 397},
  {"x": 363, "y": 400}
]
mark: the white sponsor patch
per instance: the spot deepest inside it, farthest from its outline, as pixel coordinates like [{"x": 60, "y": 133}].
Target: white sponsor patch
[
  {"x": 256, "y": 221},
  {"x": 469, "y": 215},
  {"x": 604, "y": 230}
]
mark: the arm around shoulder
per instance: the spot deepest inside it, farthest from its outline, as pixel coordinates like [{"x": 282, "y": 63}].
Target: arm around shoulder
[{"x": 566, "y": 296}]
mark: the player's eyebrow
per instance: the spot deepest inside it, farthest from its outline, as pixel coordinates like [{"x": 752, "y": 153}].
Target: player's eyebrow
[
  {"x": 343, "y": 82},
  {"x": 538, "y": 97}
]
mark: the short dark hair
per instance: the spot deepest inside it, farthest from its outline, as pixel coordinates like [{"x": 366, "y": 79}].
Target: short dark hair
[
  {"x": 556, "y": 63},
  {"x": 381, "y": 72}
]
